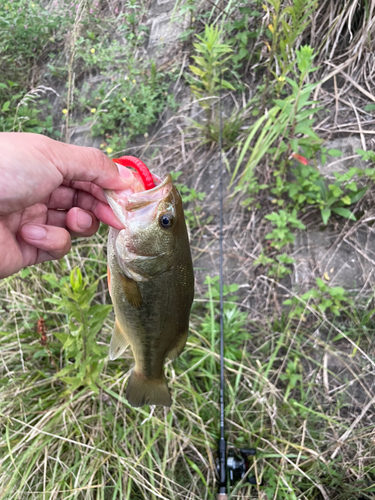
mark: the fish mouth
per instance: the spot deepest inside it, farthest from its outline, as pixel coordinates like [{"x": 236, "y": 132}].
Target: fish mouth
[{"x": 125, "y": 204}]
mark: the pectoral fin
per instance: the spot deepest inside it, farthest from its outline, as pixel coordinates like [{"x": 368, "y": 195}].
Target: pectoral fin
[
  {"x": 109, "y": 280},
  {"x": 131, "y": 291},
  {"x": 119, "y": 342},
  {"x": 179, "y": 347}
]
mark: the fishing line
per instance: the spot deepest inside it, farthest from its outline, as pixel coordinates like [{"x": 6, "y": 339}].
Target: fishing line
[
  {"x": 222, "y": 442},
  {"x": 231, "y": 467}
]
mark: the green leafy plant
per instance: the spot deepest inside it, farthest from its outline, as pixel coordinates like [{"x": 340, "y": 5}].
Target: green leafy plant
[
  {"x": 287, "y": 24},
  {"x": 28, "y": 32},
  {"x": 292, "y": 376},
  {"x": 309, "y": 188},
  {"x": 277, "y": 267},
  {"x": 191, "y": 200},
  {"x": 323, "y": 299},
  {"x": 284, "y": 222},
  {"x": 129, "y": 97},
  {"x": 130, "y": 93},
  {"x": 129, "y": 110},
  {"x": 367, "y": 156},
  {"x": 280, "y": 135},
  {"x": 235, "y": 321},
  {"x": 190, "y": 9},
  {"x": 84, "y": 357},
  {"x": 240, "y": 35},
  {"x": 211, "y": 64},
  {"x": 285, "y": 128}
]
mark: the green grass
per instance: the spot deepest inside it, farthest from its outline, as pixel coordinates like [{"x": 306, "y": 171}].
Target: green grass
[{"x": 282, "y": 397}]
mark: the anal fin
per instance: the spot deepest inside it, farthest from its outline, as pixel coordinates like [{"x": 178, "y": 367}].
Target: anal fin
[
  {"x": 179, "y": 347},
  {"x": 131, "y": 291},
  {"x": 119, "y": 342}
]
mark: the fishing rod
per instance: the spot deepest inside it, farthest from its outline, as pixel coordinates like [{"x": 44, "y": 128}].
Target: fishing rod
[{"x": 231, "y": 466}]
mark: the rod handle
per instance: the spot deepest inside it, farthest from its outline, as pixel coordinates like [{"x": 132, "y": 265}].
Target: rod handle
[{"x": 222, "y": 496}]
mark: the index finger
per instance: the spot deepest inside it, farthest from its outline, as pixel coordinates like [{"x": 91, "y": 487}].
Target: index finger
[
  {"x": 74, "y": 163},
  {"x": 79, "y": 163}
]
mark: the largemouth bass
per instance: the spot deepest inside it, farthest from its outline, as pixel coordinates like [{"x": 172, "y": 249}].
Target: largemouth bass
[{"x": 151, "y": 284}]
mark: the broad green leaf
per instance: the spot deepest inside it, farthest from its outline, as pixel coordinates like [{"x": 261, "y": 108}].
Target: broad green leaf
[
  {"x": 334, "y": 152},
  {"x": 303, "y": 129},
  {"x": 273, "y": 217},
  {"x": 346, "y": 199},
  {"x": 53, "y": 301},
  {"x": 227, "y": 85},
  {"x": 303, "y": 100},
  {"x": 337, "y": 291},
  {"x": 61, "y": 336},
  {"x": 25, "y": 272},
  {"x": 243, "y": 53},
  {"x": 197, "y": 71},
  {"x": 321, "y": 284},
  {"x": 344, "y": 212},
  {"x": 5, "y": 106},
  {"x": 293, "y": 84},
  {"x": 200, "y": 60},
  {"x": 307, "y": 112},
  {"x": 326, "y": 213},
  {"x": 352, "y": 186},
  {"x": 358, "y": 195}
]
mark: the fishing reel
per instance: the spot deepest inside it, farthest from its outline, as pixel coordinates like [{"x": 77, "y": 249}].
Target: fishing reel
[{"x": 236, "y": 465}]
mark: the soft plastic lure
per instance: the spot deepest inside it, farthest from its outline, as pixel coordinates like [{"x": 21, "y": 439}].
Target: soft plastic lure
[
  {"x": 140, "y": 167},
  {"x": 300, "y": 158}
]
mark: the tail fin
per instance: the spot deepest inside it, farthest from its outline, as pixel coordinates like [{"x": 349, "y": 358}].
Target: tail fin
[{"x": 142, "y": 391}]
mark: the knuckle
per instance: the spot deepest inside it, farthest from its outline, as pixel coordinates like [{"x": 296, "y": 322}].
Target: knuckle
[{"x": 99, "y": 158}]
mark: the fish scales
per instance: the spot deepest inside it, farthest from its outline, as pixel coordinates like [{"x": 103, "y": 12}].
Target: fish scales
[{"x": 151, "y": 286}]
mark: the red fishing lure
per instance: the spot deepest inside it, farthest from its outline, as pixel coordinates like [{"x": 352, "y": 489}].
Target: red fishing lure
[
  {"x": 140, "y": 167},
  {"x": 300, "y": 158}
]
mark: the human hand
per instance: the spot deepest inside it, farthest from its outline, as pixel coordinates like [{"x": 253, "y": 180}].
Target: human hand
[{"x": 50, "y": 191}]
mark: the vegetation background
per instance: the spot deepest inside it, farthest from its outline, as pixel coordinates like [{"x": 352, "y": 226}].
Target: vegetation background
[{"x": 137, "y": 77}]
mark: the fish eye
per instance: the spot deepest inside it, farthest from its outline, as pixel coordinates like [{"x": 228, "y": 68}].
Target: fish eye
[{"x": 166, "y": 221}]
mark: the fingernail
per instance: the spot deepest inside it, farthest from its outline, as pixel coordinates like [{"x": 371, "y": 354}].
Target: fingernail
[
  {"x": 34, "y": 232},
  {"x": 84, "y": 220},
  {"x": 125, "y": 172}
]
